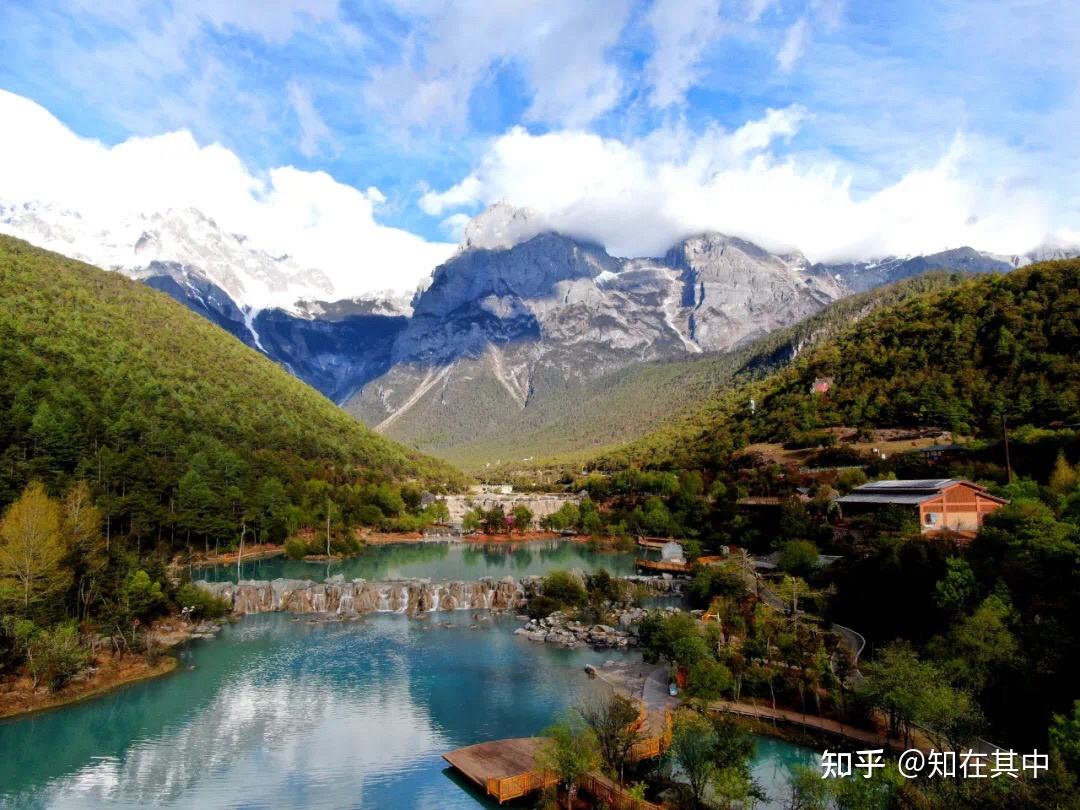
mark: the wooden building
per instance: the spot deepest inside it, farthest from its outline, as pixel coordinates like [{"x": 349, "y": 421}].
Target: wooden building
[{"x": 941, "y": 504}]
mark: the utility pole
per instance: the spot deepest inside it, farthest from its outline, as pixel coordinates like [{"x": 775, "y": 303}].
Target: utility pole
[{"x": 1005, "y": 436}]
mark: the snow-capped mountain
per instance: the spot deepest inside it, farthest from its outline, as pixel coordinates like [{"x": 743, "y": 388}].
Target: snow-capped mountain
[
  {"x": 271, "y": 303},
  {"x": 518, "y": 312},
  {"x": 183, "y": 243}
]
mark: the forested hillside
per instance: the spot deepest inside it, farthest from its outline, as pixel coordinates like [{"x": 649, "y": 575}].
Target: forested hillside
[
  {"x": 956, "y": 359},
  {"x": 182, "y": 433},
  {"x": 581, "y": 420}
]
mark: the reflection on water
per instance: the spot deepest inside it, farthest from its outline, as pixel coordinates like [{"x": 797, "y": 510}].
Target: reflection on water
[
  {"x": 773, "y": 761},
  {"x": 278, "y": 712},
  {"x": 435, "y": 560}
]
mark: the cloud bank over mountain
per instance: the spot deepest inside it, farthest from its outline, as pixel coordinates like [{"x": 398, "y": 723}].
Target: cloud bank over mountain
[
  {"x": 360, "y": 138},
  {"x": 319, "y": 222},
  {"x": 638, "y": 198}
]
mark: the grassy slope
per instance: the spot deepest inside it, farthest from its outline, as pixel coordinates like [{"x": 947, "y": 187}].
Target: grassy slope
[
  {"x": 952, "y": 358},
  {"x": 90, "y": 359},
  {"x": 581, "y": 422}
]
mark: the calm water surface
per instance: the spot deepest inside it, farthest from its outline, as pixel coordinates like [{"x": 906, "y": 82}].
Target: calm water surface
[
  {"x": 436, "y": 560},
  {"x": 282, "y": 713}
]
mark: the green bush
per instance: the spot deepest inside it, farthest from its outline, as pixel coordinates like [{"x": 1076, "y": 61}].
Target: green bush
[
  {"x": 345, "y": 545},
  {"x": 798, "y": 558},
  {"x": 55, "y": 656},
  {"x": 543, "y": 606},
  {"x": 369, "y": 515},
  {"x": 143, "y": 596},
  {"x": 295, "y": 548},
  {"x": 203, "y": 605},
  {"x": 709, "y": 680},
  {"x": 564, "y": 588},
  {"x": 803, "y": 439}
]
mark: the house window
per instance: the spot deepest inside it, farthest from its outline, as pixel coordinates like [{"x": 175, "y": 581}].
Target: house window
[{"x": 931, "y": 518}]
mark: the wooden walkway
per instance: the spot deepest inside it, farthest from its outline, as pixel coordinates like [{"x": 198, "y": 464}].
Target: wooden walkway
[
  {"x": 609, "y": 794},
  {"x": 813, "y": 721}
]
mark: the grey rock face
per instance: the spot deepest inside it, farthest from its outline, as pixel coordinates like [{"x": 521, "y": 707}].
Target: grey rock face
[
  {"x": 734, "y": 291},
  {"x": 507, "y": 325},
  {"x": 335, "y": 352},
  {"x": 519, "y": 313}
]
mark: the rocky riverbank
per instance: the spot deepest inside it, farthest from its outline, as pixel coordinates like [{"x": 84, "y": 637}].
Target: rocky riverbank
[
  {"x": 564, "y": 631},
  {"x": 108, "y": 669}
]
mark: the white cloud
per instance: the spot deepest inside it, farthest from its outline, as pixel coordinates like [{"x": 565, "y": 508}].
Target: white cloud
[
  {"x": 314, "y": 133},
  {"x": 464, "y": 193},
  {"x": 793, "y": 46},
  {"x": 683, "y": 29},
  {"x": 558, "y": 46},
  {"x": 638, "y": 198},
  {"x": 322, "y": 223},
  {"x": 755, "y": 8},
  {"x": 454, "y": 226}
]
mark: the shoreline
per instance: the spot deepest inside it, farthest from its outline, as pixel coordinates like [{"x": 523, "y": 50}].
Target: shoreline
[
  {"x": 33, "y": 702},
  {"x": 604, "y": 544},
  {"x": 18, "y": 698}
]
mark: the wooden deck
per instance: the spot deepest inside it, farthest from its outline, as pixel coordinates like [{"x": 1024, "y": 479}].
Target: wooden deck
[
  {"x": 663, "y": 566},
  {"x": 668, "y": 567},
  {"x": 506, "y": 769},
  {"x": 656, "y": 542}
]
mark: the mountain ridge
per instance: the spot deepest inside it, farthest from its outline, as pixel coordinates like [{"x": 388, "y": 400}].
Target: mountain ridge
[
  {"x": 107, "y": 380},
  {"x": 519, "y": 314},
  {"x": 951, "y": 359}
]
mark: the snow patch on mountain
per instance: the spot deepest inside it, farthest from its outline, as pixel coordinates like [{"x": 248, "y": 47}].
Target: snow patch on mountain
[
  {"x": 184, "y": 239},
  {"x": 502, "y": 226}
]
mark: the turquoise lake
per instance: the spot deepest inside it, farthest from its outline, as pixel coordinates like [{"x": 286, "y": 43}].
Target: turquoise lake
[
  {"x": 436, "y": 560},
  {"x": 278, "y": 713}
]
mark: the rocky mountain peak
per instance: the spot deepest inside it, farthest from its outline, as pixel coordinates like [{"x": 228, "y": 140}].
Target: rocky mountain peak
[
  {"x": 528, "y": 270},
  {"x": 501, "y": 226}
]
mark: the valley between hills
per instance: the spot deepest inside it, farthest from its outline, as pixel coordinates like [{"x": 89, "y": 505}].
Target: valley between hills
[{"x": 163, "y": 476}]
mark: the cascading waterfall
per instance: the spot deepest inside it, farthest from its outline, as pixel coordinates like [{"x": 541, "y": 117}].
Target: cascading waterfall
[
  {"x": 359, "y": 597},
  {"x": 403, "y": 596}
]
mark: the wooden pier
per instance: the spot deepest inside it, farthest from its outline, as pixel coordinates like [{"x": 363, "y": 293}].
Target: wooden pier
[{"x": 506, "y": 769}]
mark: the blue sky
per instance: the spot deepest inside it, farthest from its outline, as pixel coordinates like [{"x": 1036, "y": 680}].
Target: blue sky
[{"x": 841, "y": 128}]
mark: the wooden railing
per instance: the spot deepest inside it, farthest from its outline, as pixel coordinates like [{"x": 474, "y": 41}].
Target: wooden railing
[
  {"x": 653, "y": 746},
  {"x": 661, "y": 565},
  {"x": 511, "y": 787},
  {"x": 611, "y": 795},
  {"x": 505, "y": 788}
]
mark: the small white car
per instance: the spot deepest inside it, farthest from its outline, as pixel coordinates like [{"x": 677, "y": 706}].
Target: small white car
[{"x": 672, "y": 689}]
